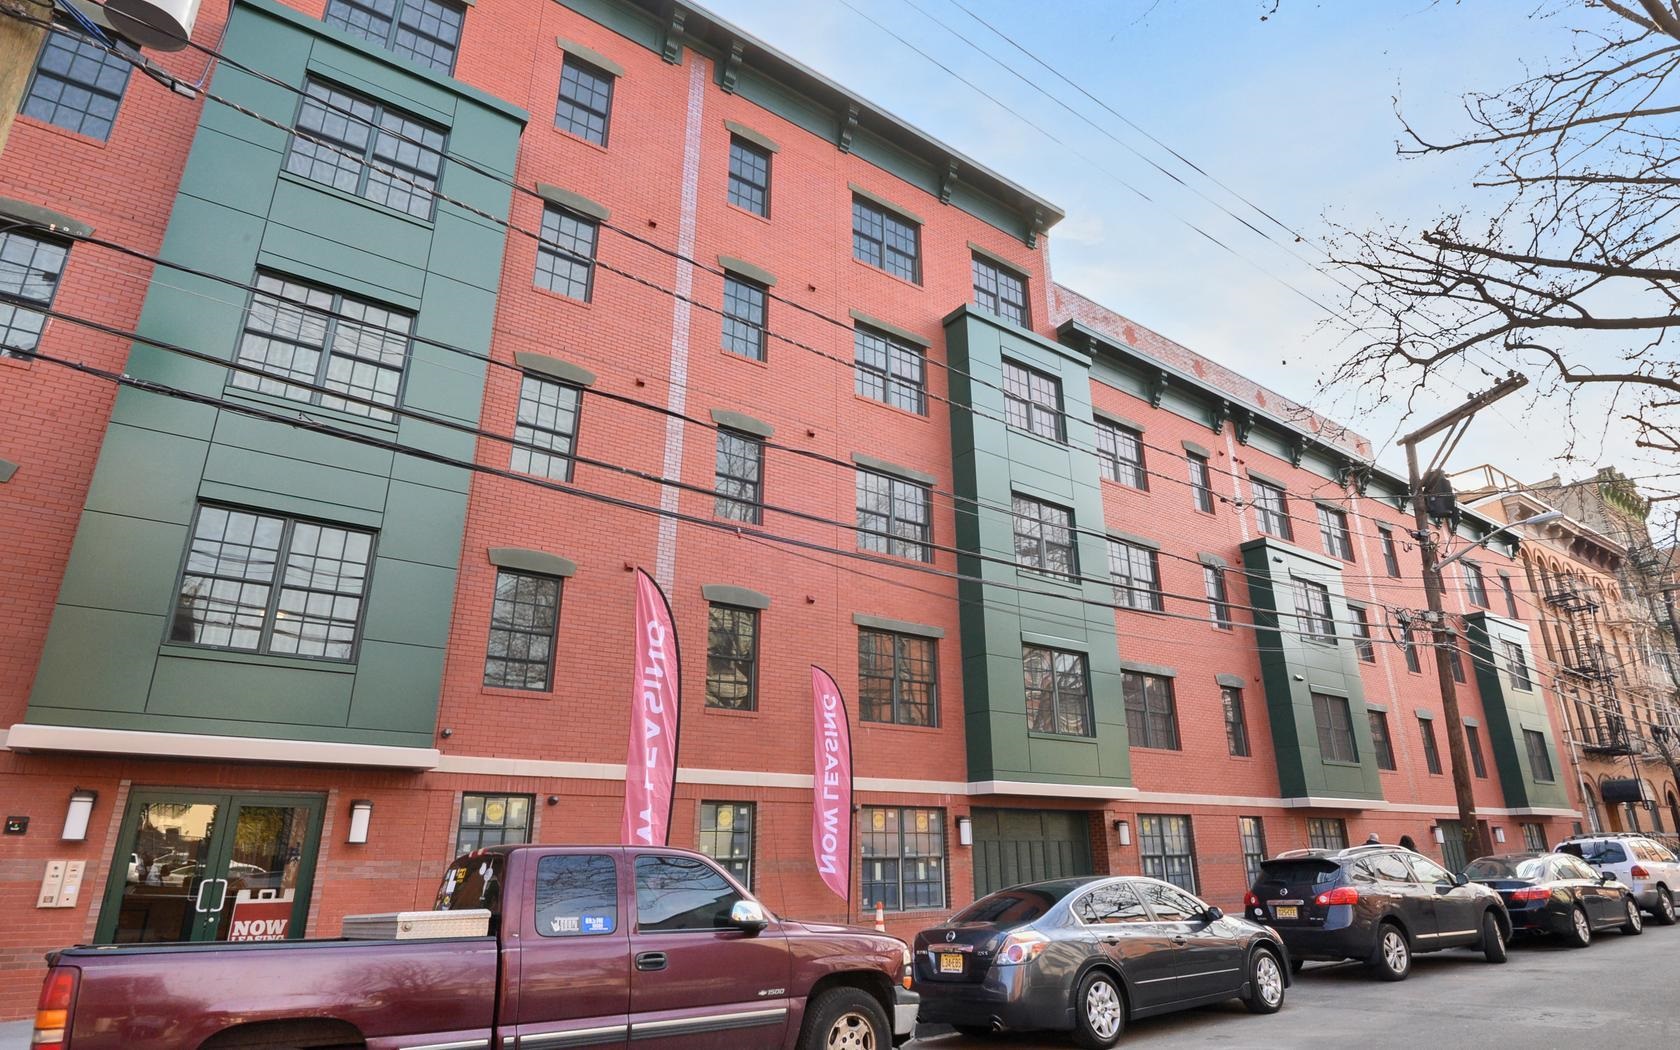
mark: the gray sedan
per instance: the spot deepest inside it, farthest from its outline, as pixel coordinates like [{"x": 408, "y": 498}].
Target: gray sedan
[{"x": 1086, "y": 955}]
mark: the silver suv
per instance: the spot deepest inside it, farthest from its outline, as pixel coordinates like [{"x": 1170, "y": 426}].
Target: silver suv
[{"x": 1647, "y": 866}]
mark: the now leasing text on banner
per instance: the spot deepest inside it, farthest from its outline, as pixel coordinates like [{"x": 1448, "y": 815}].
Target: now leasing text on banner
[
  {"x": 650, "y": 770},
  {"x": 831, "y": 799}
]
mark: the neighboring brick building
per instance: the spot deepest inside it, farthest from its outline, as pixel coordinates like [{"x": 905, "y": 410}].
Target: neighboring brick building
[{"x": 730, "y": 323}]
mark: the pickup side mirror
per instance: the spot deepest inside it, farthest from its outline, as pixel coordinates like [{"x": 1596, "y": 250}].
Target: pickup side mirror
[
  {"x": 749, "y": 917},
  {"x": 1213, "y": 914}
]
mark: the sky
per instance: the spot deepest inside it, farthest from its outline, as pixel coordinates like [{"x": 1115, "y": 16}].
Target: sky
[{"x": 1294, "y": 111}]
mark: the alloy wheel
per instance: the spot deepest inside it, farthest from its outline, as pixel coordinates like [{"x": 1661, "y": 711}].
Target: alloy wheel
[
  {"x": 1665, "y": 905},
  {"x": 1635, "y": 920},
  {"x": 1583, "y": 929},
  {"x": 1394, "y": 951},
  {"x": 1102, "y": 1009},
  {"x": 1268, "y": 979},
  {"x": 851, "y": 1031}
]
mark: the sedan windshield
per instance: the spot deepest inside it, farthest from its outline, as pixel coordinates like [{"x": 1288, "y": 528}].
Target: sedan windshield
[
  {"x": 1019, "y": 905},
  {"x": 1531, "y": 868}
]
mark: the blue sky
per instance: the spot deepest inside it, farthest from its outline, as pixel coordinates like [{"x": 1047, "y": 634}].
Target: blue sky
[{"x": 1295, "y": 112}]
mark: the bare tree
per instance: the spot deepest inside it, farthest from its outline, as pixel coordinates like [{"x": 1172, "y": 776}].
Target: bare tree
[{"x": 1565, "y": 256}]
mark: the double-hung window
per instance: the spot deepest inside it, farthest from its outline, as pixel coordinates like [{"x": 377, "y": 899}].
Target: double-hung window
[
  {"x": 1137, "y": 575},
  {"x": 1121, "y": 451},
  {"x": 1455, "y": 659},
  {"x": 1333, "y": 530},
  {"x": 1510, "y": 595},
  {"x": 1151, "y": 713},
  {"x": 1408, "y": 645},
  {"x": 566, "y": 253},
  {"x": 302, "y": 341},
  {"x": 1218, "y": 596},
  {"x": 1032, "y": 400},
  {"x": 1391, "y": 557},
  {"x": 1363, "y": 646},
  {"x": 1044, "y": 537},
  {"x": 726, "y": 836},
  {"x": 732, "y": 657},
  {"x": 1539, "y": 756},
  {"x": 30, "y": 267},
  {"x": 1473, "y": 744},
  {"x": 265, "y": 583},
  {"x": 886, "y": 240},
  {"x": 523, "y": 617},
  {"x": 894, "y": 516},
  {"x": 352, "y": 143},
  {"x": 1534, "y": 837},
  {"x": 78, "y": 85},
  {"x": 1475, "y": 585},
  {"x": 746, "y": 305},
  {"x": 1201, "y": 482},
  {"x": 1236, "y": 721},
  {"x": 898, "y": 678},
  {"x": 428, "y": 31},
  {"x": 1271, "y": 509},
  {"x": 749, "y": 176},
  {"x": 1058, "y": 691},
  {"x": 1001, "y": 291},
  {"x": 1167, "y": 852},
  {"x": 545, "y": 430},
  {"x": 1317, "y": 623},
  {"x": 1251, "y": 831},
  {"x": 1516, "y": 665},
  {"x": 1335, "y": 728},
  {"x": 1327, "y": 833},
  {"x": 1431, "y": 753},
  {"x": 1380, "y": 740},
  {"x": 740, "y": 477},
  {"x": 903, "y": 857},
  {"x": 890, "y": 370},
  {"x": 585, "y": 105}
]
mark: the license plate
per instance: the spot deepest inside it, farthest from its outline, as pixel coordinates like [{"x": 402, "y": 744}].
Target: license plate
[
  {"x": 1287, "y": 911},
  {"x": 950, "y": 962}
]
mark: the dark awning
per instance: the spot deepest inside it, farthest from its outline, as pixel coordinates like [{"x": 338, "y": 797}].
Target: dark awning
[{"x": 1624, "y": 790}]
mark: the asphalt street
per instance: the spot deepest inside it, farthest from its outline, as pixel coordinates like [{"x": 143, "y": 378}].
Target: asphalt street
[{"x": 1619, "y": 991}]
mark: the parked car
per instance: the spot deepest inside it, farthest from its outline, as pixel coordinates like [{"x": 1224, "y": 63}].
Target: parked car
[
  {"x": 1558, "y": 893},
  {"x": 1646, "y": 866},
  {"x": 1377, "y": 903},
  {"x": 1087, "y": 955},
  {"x": 587, "y": 945}
]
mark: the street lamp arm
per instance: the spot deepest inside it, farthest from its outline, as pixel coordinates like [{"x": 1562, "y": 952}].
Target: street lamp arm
[{"x": 1538, "y": 519}]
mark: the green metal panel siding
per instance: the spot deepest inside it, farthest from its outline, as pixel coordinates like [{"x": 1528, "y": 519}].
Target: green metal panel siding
[{"x": 1509, "y": 711}]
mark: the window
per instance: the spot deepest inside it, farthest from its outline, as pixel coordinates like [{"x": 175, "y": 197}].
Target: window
[
  {"x": 1001, "y": 291},
  {"x": 1335, "y": 728},
  {"x": 1058, "y": 691},
  {"x": 351, "y": 143},
  {"x": 424, "y": 30},
  {"x": 1327, "y": 833},
  {"x": 1455, "y": 659},
  {"x": 1219, "y": 600},
  {"x": 490, "y": 820},
  {"x": 1151, "y": 714},
  {"x": 78, "y": 85},
  {"x": 1171, "y": 905},
  {"x": 1032, "y": 400},
  {"x": 1539, "y": 756},
  {"x": 1363, "y": 647},
  {"x": 1409, "y": 646},
  {"x": 1516, "y": 665},
  {"x": 903, "y": 857},
  {"x": 1510, "y": 596},
  {"x": 1271, "y": 510},
  {"x": 726, "y": 836},
  {"x": 263, "y": 583},
  {"x": 297, "y": 333},
  {"x": 577, "y": 896},
  {"x": 1236, "y": 722},
  {"x": 894, "y": 516},
  {"x": 1473, "y": 742},
  {"x": 545, "y": 431},
  {"x": 1108, "y": 905},
  {"x": 1201, "y": 482},
  {"x": 1316, "y": 621},
  {"x": 522, "y": 623},
  {"x": 1137, "y": 576},
  {"x": 890, "y": 370},
  {"x": 744, "y": 316},
  {"x": 29, "y": 269},
  {"x": 883, "y": 239},
  {"x": 898, "y": 679},
  {"x": 1431, "y": 754},
  {"x": 1333, "y": 530},
  {"x": 1381, "y": 741},
  {"x": 1120, "y": 449},
  {"x": 585, "y": 101},
  {"x": 1426, "y": 870},
  {"x": 681, "y": 893},
  {"x": 749, "y": 176},
  {"x": 740, "y": 470},
  {"x": 1166, "y": 852},
  {"x": 732, "y": 658},
  {"x": 566, "y": 253},
  {"x": 1251, "y": 831},
  {"x": 1044, "y": 538},
  {"x": 1475, "y": 586},
  {"x": 1391, "y": 559}
]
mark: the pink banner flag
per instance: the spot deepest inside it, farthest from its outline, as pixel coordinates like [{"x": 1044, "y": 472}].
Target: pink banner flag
[
  {"x": 831, "y": 801},
  {"x": 650, "y": 771}
]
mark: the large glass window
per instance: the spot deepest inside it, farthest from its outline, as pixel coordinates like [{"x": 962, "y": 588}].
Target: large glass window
[
  {"x": 1252, "y": 833},
  {"x": 1271, "y": 509},
  {"x": 360, "y": 146},
  {"x": 749, "y": 176},
  {"x": 1539, "y": 756},
  {"x": 1408, "y": 646},
  {"x": 577, "y": 896},
  {"x": 898, "y": 678},
  {"x": 270, "y": 584},
  {"x": 1120, "y": 450},
  {"x": 1431, "y": 754},
  {"x": 740, "y": 472},
  {"x": 1363, "y": 646},
  {"x": 585, "y": 105},
  {"x": 1218, "y": 596},
  {"x": 726, "y": 836},
  {"x": 297, "y": 333},
  {"x": 1327, "y": 833},
  {"x": 1236, "y": 721},
  {"x": 1044, "y": 537},
  {"x": 745, "y": 317},
  {"x": 523, "y": 618},
  {"x": 1516, "y": 665},
  {"x": 884, "y": 239},
  {"x": 1167, "y": 852},
  {"x": 545, "y": 431},
  {"x": 1333, "y": 530},
  {"x": 1317, "y": 623},
  {"x": 903, "y": 857},
  {"x": 566, "y": 253},
  {"x": 1473, "y": 744},
  {"x": 894, "y": 516},
  {"x": 1534, "y": 837},
  {"x": 1475, "y": 585},
  {"x": 29, "y": 269},
  {"x": 1058, "y": 691},
  {"x": 78, "y": 85},
  {"x": 675, "y": 893},
  {"x": 491, "y": 820},
  {"x": 1001, "y": 290},
  {"x": 1136, "y": 574},
  {"x": 1032, "y": 400},
  {"x": 732, "y": 658},
  {"x": 1510, "y": 596},
  {"x": 1335, "y": 728},
  {"x": 890, "y": 370},
  {"x": 1201, "y": 482},
  {"x": 428, "y": 31},
  {"x": 1391, "y": 558},
  {"x": 1151, "y": 713},
  {"x": 1381, "y": 741}
]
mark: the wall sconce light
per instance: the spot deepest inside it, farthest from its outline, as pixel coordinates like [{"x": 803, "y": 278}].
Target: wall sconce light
[
  {"x": 1499, "y": 835},
  {"x": 76, "y": 816},
  {"x": 361, "y": 811},
  {"x": 1123, "y": 831},
  {"x": 965, "y": 831},
  {"x": 1440, "y": 836}
]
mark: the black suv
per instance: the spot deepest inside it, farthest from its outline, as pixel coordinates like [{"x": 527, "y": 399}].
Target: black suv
[{"x": 1376, "y": 903}]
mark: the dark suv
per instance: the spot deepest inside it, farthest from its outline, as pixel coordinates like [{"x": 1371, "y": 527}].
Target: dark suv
[{"x": 1376, "y": 903}]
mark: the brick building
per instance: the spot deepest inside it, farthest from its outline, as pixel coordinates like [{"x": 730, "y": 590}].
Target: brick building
[{"x": 536, "y": 293}]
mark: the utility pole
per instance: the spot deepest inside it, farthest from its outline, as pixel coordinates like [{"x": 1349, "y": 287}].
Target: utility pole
[
  {"x": 19, "y": 43},
  {"x": 1456, "y": 422}
]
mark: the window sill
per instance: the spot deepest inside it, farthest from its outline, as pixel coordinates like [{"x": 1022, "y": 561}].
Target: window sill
[
  {"x": 73, "y": 136},
  {"x": 579, "y": 139},
  {"x": 1056, "y": 442},
  {"x": 761, "y": 362},
  {"x": 728, "y": 712},
  {"x": 892, "y": 560},
  {"x": 732, "y": 206},
  {"x": 1041, "y": 576},
  {"x": 552, "y": 294},
  {"x": 904, "y": 727},
  {"x": 1341, "y": 762},
  {"x": 866, "y": 399},
  {"x": 509, "y": 691},
  {"x": 1068, "y": 737},
  {"x": 1128, "y": 486},
  {"x": 235, "y": 656},
  {"x": 257, "y": 397},
  {"x": 352, "y": 198},
  {"x": 22, "y": 359},
  {"x": 1148, "y": 747},
  {"x": 872, "y": 268}
]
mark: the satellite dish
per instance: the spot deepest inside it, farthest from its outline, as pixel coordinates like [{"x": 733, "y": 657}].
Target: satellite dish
[{"x": 162, "y": 25}]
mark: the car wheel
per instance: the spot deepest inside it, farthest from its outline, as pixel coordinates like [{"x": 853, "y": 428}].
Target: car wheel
[
  {"x": 1635, "y": 923},
  {"x": 1392, "y": 960},
  {"x": 1493, "y": 938},
  {"x": 846, "y": 1019},
  {"x": 1664, "y": 911},
  {"x": 1579, "y": 934},
  {"x": 1265, "y": 983},
  {"x": 1099, "y": 1012}
]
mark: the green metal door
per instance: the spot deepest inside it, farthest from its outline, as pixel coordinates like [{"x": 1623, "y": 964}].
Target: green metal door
[
  {"x": 1452, "y": 846},
  {"x": 1012, "y": 846}
]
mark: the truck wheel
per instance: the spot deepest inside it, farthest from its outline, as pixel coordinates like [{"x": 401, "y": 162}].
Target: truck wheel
[
  {"x": 846, "y": 1019},
  {"x": 1392, "y": 959},
  {"x": 1493, "y": 938}
]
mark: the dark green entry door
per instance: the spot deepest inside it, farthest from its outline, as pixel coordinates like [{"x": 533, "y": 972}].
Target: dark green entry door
[
  {"x": 1012, "y": 846},
  {"x": 211, "y": 866}
]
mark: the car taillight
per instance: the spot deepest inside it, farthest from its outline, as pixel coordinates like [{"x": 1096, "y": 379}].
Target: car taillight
[
  {"x": 1251, "y": 901},
  {"x": 1021, "y": 947},
  {"x": 52, "y": 1014},
  {"x": 1638, "y": 871},
  {"x": 908, "y": 959},
  {"x": 1339, "y": 895},
  {"x": 1531, "y": 893}
]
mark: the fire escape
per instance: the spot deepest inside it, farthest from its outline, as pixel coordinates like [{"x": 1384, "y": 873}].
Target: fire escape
[{"x": 1604, "y": 729}]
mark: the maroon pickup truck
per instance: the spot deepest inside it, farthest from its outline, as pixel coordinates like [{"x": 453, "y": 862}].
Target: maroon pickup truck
[{"x": 589, "y": 947}]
